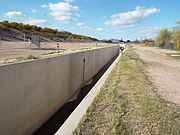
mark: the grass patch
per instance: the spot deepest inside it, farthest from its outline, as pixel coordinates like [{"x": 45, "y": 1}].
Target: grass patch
[
  {"x": 128, "y": 104},
  {"x": 18, "y": 59},
  {"x": 30, "y": 57},
  {"x": 12, "y": 60}
]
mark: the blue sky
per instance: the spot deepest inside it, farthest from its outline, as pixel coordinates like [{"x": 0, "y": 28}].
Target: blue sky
[{"x": 103, "y": 19}]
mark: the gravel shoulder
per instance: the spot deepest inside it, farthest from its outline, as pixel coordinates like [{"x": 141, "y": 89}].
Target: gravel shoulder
[{"x": 164, "y": 71}]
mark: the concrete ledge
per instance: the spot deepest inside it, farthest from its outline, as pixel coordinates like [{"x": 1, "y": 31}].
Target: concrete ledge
[{"x": 73, "y": 120}]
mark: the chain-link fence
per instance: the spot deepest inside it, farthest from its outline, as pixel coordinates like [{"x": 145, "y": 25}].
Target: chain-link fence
[{"x": 172, "y": 46}]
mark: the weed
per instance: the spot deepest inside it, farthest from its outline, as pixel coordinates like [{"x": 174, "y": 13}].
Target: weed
[{"x": 32, "y": 57}]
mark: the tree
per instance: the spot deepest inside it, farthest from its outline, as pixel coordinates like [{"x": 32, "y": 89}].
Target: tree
[
  {"x": 163, "y": 37},
  {"x": 175, "y": 36},
  {"x": 27, "y": 27},
  {"x": 5, "y": 24},
  {"x": 14, "y": 25},
  {"x": 128, "y": 41}
]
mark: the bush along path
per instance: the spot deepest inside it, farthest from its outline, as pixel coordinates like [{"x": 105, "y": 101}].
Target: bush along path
[{"x": 128, "y": 104}]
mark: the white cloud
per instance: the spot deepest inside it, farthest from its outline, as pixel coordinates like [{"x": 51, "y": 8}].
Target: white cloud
[
  {"x": 150, "y": 30},
  {"x": 99, "y": 29},
  {"x": 34, "y": 21},
  {"x": 129, "y": 18},
  {"x": 44, "y": 6},
  {"x": 126, "y": 26},
  {"x": 80, "y": 24},
  {"x": 33, "y": 10},
  {"x": 85, "y": 27},
  {"x": 68, "y": 0},
  {"x": 24, "y": 18},
  {"x": 89, "y": 28},
  {"x": 63, "y": 11},
  {"x": 14, "y": 14},
  {"x": 52, "y": 26}
]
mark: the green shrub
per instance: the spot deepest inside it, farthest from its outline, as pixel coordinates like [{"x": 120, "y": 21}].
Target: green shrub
[{"x": 32, "y": 57}]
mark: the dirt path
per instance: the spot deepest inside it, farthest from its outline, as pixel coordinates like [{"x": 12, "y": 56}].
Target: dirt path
[
  {"x": 165, "y": 71},
  {"x": 19, "y": 49}
]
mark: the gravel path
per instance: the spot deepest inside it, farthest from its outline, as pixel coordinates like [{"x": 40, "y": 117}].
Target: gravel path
[{"x": 165, "y": 71}]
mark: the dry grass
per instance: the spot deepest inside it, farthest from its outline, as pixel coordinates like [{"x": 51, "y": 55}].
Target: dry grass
[
  {"x": 174, "y": 55},
  {"x": 128, "y": 104}
]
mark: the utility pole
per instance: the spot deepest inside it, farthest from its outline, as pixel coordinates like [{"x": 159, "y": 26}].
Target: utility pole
[
  {"x": 25, "y": 40},
  {"x": 44, "y": 26},
  {"x": 58, "y": 47},
  {"x": 1, "y": 41},
  {"x": 145, "y": 37}
]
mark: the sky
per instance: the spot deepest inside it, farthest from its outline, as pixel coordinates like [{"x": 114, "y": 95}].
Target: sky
[{"x": 102, "y": 19}]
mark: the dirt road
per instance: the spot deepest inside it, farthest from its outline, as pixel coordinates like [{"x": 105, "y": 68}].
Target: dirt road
[{"x": 164, "y": 70}]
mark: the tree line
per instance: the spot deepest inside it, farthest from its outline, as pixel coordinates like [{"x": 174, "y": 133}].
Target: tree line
[
  {"x": 167, "y": 36},
  {"x": 33, "y": 29}
]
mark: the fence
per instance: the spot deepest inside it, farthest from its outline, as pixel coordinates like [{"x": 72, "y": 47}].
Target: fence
[{"x": 171, "y": 46}]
